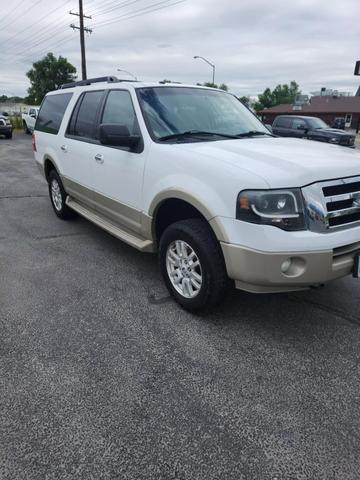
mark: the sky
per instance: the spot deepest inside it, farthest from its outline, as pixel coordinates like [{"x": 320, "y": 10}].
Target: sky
[{"x": 253, "y": 43}]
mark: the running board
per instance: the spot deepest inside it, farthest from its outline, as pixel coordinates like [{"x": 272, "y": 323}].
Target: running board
[{"x": 136, "y": 242}]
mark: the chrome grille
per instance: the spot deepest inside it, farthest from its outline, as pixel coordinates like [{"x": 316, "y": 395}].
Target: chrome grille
[{"x": 333, "y": 205}]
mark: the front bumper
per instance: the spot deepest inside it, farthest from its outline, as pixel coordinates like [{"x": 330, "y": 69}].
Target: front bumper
[{"x": 261, "y": 272}]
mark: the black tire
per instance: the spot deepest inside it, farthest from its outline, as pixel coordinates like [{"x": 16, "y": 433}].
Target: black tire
[
  {"x": 9, "y": 135},
  {"x": 200, "y": 238},
  {"x": 59, "y": 205},
  {"x": 25, "y": 127}
]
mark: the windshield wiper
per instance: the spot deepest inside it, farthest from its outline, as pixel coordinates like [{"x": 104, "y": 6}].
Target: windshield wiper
[
  {"x": 253, "y": 133},
  {"x": 194, "y": 133}
]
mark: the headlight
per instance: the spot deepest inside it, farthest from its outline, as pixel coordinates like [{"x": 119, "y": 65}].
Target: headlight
[
  {"x": 280, "y": 208},
  {"x": 334, "y": 140}
]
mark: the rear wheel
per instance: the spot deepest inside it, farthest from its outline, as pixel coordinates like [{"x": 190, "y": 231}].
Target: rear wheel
[
  {"x": 25, "y": 128},
  {"x": 58, "y": 197},
  {"x": 192, "y": 265}
]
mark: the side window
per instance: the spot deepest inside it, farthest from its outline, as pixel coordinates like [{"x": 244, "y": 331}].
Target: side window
[
  {"x": 83, "y": 121},
  {"x": 119, "y": 109},
  {"x": 298, "y": 122},
  {"x": 51, "y": 112},
  {"x": 283, "y": 122}
]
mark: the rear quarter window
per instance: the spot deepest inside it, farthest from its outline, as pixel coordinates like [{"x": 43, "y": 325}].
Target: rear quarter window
[{"x": 51, "y": 113}]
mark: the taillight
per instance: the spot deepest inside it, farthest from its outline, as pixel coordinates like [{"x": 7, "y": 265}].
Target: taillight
[{"x": 33, "y": 142}]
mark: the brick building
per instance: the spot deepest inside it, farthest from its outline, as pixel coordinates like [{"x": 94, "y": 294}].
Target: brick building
[{"x": 327, "y": 108}]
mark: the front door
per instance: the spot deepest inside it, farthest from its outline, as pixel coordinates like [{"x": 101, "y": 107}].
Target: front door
[{"x": 118, "y": 177}]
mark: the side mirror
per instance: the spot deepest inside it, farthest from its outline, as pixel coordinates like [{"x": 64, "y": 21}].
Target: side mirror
[
  {"x": 115, "y": 135},
  {"x": 269, "y": 127},
  {"x": 32, "y": 115}
]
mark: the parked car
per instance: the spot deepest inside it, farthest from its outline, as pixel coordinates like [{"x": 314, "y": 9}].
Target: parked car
[
  {"x": 29, "y": 119},
  {"x": 338, "y": 123},
  {"x": 191, "y": 173},
  {"x": 312, "y": 128},
  {"x": 6, "y": 128}
]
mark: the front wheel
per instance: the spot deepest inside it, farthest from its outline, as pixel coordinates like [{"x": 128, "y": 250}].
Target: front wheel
[
  {"x": 58, "y": 197},
  {"x": 192, "y": 265}
]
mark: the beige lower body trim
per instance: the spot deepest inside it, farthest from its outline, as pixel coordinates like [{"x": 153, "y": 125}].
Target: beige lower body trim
[
  {"x": 121, "y": 233},
  {"x": 113, "y": 214},
  {"x": 261, "y": 272},
  {"x": 78, "y": 191}
]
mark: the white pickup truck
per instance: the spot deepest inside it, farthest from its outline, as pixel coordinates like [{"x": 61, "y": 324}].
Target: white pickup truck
[
  {"x": 191, "y": 173},
  {"x": 29, "y": 119}
]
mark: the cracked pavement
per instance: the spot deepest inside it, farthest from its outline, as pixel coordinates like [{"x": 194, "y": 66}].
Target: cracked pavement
[{"x": 102, "y": 376}]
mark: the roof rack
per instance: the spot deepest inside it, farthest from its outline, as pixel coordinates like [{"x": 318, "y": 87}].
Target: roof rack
[{"x": 90, "y": 81}]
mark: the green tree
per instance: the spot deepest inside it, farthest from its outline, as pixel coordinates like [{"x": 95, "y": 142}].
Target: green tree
[
  {"x": 281, "y": 94},
  {"x": 245, "y": 100},
  {"x": 48, "y": 74},
  {"x": 222, "y": 86}
]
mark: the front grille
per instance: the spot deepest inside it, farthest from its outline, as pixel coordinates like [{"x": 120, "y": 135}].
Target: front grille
[
  {"x": 347, "y": 140},
  {"x": 333, "y": 204},
  {"x": 342, "y": 203}
]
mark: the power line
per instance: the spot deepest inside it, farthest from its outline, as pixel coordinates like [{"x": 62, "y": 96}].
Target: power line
[
  {"x": 101, "y": 5},
  {"x": 61, "y": 42},
  {"x": 43, "y": 38},
  {"x": 111, "y": 8},
  {"x": 32, "y": 26},
  {"x": 23, "y": 13},
  {"x": 140, "y": 12},
  {"x": 12, "y": 11}
]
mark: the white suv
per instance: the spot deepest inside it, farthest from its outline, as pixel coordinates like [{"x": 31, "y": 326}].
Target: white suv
[{"x": 191, "y": 173}]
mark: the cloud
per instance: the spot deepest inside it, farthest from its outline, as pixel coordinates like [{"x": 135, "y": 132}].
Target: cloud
[{"x": 254, "y": 43}]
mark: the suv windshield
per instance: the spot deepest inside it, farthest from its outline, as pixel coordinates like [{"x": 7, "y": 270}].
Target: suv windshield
[
  {"x": 195, "y": 114},
  {"x": 317, "y": 123}
]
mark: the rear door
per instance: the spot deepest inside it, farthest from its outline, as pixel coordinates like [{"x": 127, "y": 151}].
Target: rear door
[
  {"x": 80, "y": 147},
  {"x": 282, "y": 126}
]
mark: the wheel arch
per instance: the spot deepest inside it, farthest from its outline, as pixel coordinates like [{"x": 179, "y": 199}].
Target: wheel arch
[
  {"x": 174, "y": 205},
  {"x": 49, "y": 164}
]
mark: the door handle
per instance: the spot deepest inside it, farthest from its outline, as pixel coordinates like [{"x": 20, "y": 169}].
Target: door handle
[
  {"x": 99, "y": 158},
  {"x": 63, "y": 148}
]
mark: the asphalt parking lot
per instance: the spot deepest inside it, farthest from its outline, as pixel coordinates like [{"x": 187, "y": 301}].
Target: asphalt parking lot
[{"x": 102, "y": 376}]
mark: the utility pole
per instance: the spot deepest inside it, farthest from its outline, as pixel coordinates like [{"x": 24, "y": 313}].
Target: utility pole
[{"x": 82, "y": 30}]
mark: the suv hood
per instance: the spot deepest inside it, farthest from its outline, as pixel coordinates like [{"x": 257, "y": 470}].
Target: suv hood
[
  {"x": 332, "y": 131},
  {"x": 281, "y": 162}
]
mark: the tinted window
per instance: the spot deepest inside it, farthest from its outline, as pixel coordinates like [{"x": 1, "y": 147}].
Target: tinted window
[
  {"x": 51, "y": 113},
  {"x": 298, "y": 122},
  {"x": 119, "y": 109},
  {"x": 284, "y": 122},
  {"x": 84, "y": 118}
]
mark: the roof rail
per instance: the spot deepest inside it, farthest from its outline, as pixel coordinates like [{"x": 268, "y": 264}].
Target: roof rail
[{"x": 90, "y": 81}]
